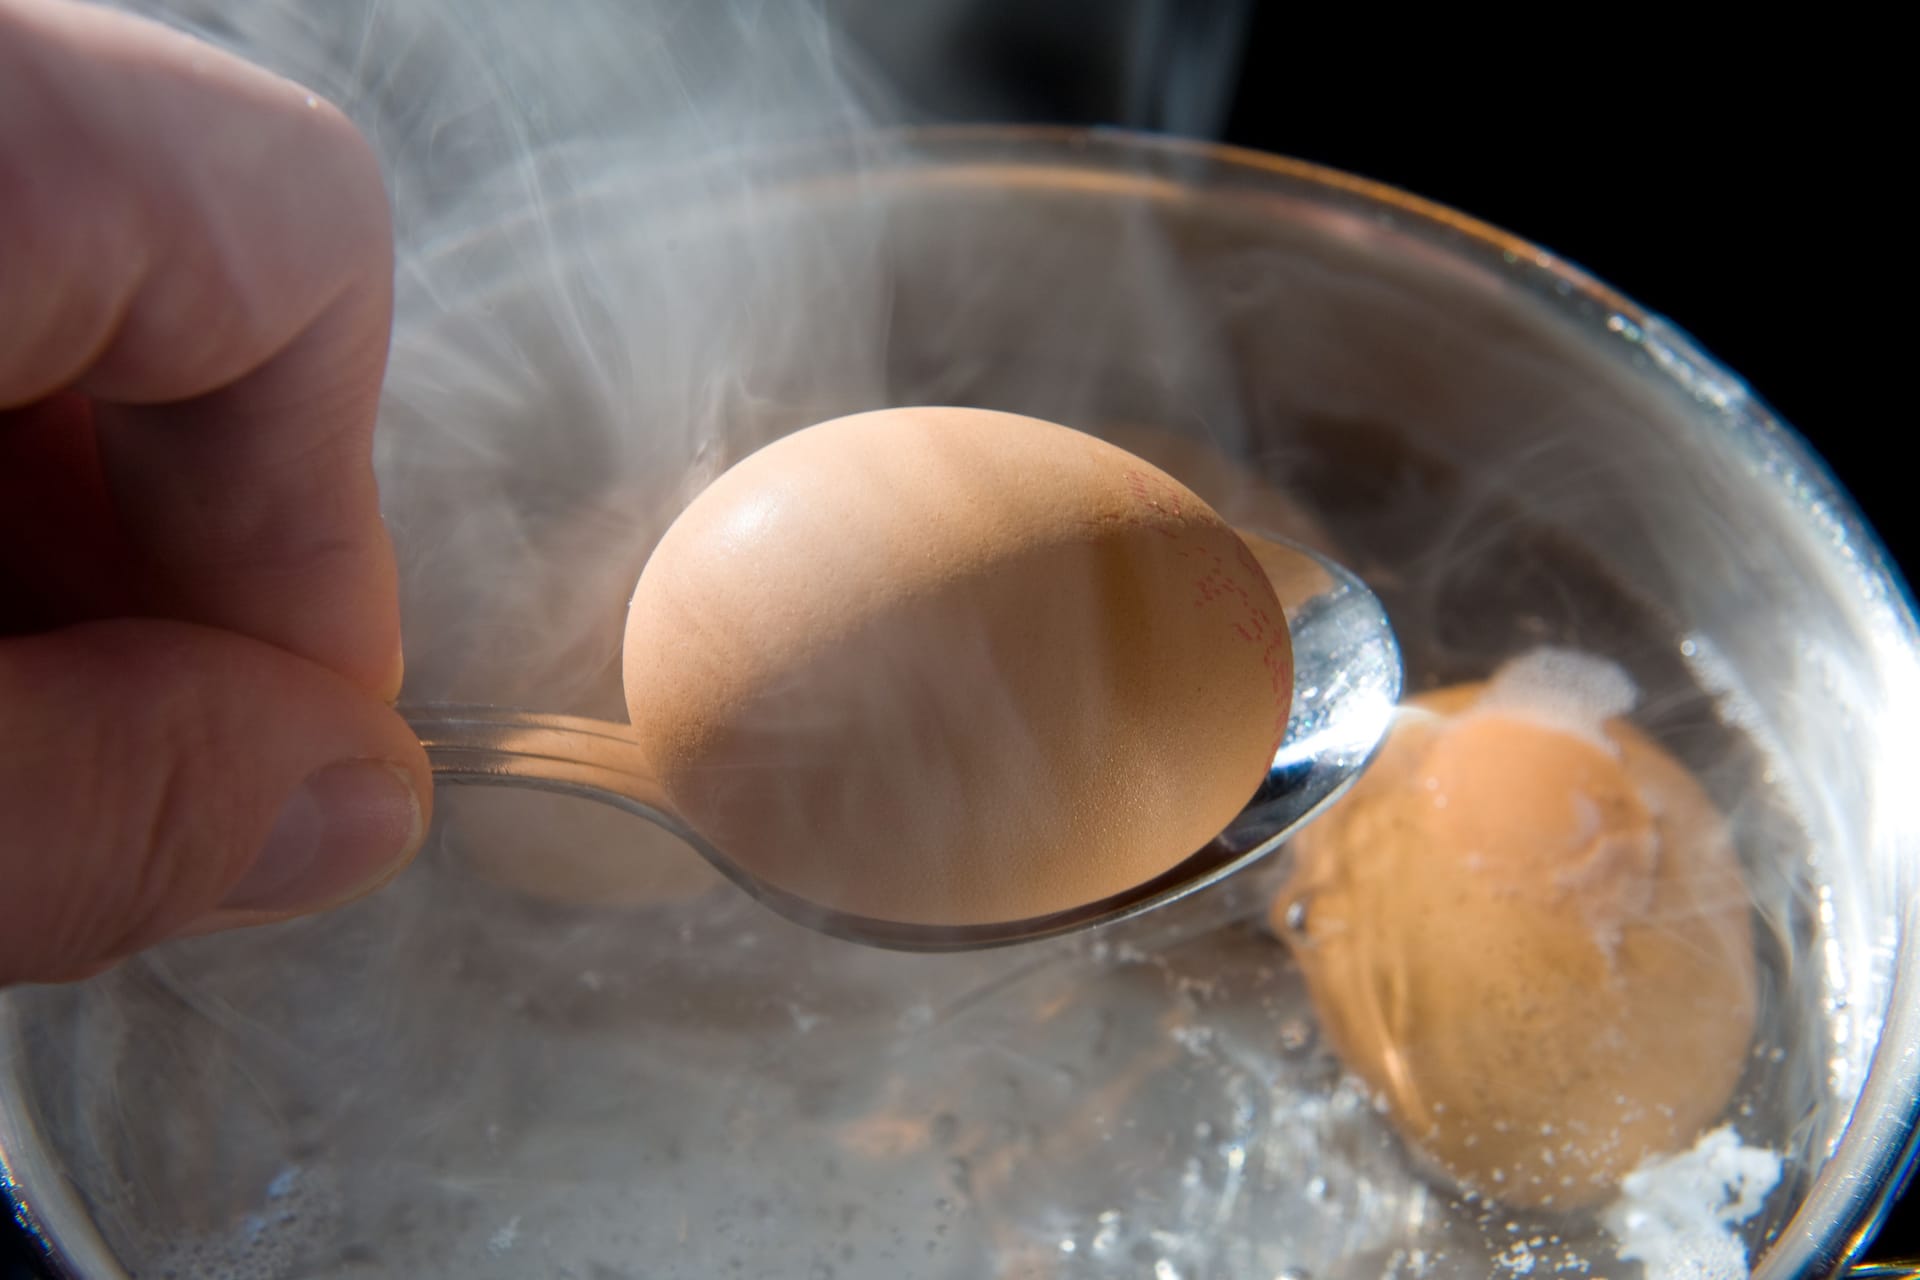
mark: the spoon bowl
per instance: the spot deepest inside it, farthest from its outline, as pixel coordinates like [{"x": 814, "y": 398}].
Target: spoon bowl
[{"x": 1347, "y": 679}]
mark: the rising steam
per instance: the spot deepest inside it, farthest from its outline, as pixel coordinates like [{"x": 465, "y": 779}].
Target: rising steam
[{"x": 574, "y": 357}]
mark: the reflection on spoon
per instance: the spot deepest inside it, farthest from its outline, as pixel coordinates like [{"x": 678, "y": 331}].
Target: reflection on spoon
[{"x": 1347, "y": 679}]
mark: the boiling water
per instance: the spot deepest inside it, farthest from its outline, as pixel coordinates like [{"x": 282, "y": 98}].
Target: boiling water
[{"x": 453, "y": 1080}]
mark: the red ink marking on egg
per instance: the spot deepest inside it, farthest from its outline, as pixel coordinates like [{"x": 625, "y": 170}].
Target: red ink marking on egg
[{"x": 1156, "y": 494}]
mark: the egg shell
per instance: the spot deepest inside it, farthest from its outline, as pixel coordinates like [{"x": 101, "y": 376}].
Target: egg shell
[
  {"x": 1534, "y": 946},
  {"x": 949, "y": 666}
]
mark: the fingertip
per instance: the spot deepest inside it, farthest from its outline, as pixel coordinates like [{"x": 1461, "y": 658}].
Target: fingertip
[
  {"x": 347, "y": 831},
  {"x": 184, "y": 779}
]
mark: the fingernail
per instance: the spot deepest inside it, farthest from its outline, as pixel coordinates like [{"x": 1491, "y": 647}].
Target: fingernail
[{"x": 346, "y": 830}]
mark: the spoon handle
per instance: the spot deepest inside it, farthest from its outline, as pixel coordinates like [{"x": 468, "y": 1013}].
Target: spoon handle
[{"x": 498, "y": 746}]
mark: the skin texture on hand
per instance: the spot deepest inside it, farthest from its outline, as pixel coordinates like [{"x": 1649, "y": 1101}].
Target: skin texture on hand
[{"x": 199, "y": 631}]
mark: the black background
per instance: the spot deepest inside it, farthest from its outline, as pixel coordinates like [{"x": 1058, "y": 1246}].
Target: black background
[
  {"x": 1741, "y": 187},
  {"x": 1737, "y": 182}
]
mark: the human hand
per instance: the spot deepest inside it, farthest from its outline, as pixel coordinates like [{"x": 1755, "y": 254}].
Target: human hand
[{"x": 199, "y": 625}]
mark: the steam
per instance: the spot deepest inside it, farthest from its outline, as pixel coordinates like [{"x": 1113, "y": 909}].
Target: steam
[
  {"x": 1562, "y": 689},
  {"x": 577, "y": 351}
]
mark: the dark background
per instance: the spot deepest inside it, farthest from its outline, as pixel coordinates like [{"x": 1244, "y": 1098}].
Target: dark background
[
  {"x": 1737, "y": 182},
  {"x": 1745, "y": 198}
]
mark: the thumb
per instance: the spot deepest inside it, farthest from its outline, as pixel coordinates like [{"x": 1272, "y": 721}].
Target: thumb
[{"x": 159, "y": 778}]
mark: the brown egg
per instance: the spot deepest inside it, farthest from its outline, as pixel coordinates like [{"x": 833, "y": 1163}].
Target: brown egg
[
  {"x": 946, "y": 666},
  {"x": 1533, "y": 942}
]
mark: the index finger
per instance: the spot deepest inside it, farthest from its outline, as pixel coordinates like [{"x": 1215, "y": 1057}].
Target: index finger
[{"x": 205, "y": 249}]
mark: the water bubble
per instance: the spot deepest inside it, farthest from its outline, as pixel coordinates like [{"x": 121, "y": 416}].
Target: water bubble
[{"x": 503, "y": 1239}]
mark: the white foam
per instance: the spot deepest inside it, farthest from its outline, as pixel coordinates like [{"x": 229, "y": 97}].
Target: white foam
[
  {"x": 1676, "y": 1214},
  {"x": 1561, "y": 689},
  {"x": 301, "y": 1213}
]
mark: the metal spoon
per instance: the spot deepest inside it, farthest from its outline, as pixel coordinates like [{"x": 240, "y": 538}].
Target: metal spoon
[{"x": 1347, "y": 677}]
